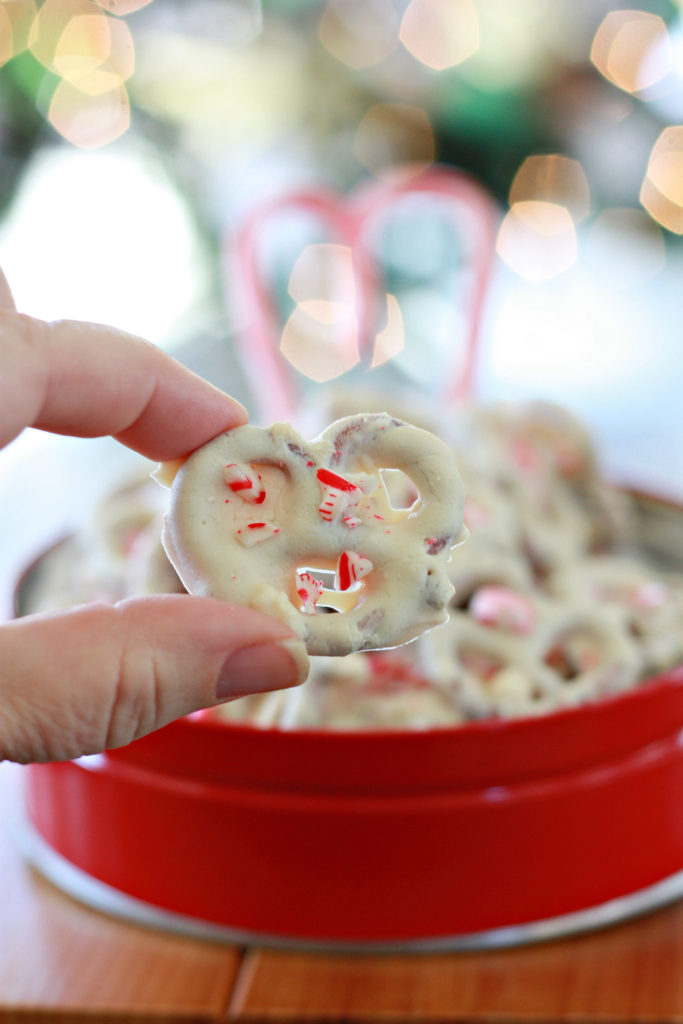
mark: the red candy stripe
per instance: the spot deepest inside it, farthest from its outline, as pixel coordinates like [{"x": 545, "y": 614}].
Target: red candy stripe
[
  {"x": 339, "y": 495},
  {"x": 330, "y": 479},
  {"x": 243, "y": 479},
  {"x": 351, "y": 567},
  {"x": 309, "y": 589}
]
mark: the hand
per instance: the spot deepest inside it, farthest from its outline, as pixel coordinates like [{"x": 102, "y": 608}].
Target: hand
[{"x": 100, "y": 676}]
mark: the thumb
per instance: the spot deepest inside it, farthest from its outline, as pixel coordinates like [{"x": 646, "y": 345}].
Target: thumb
[{"x": 81, "y": 681}]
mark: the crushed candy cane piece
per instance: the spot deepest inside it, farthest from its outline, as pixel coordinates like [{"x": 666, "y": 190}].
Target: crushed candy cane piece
[
  {"x": 254, "y": 533},
  {"x": 351, "y": 567},
  {"x": 339, "y": 496},
  {"x": 329, "y": 479},
  {"x": 309, "y": 590},
  {"x": 499, "y": 606},
  {"x": 245, "y": 481}
]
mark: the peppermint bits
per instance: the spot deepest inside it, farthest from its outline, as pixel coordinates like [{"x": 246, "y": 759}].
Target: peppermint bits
[
  {"x": 351, "y": 567},
  {"x": 340, "y": 497},
  {"x": 254, "y": 533},
  {"x": 243, "y": 480},
  {"x": 309, "y": 591},
  {"x": 504, "y": 608}
]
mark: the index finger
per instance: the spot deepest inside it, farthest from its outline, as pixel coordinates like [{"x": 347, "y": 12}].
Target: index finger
[{"x": 89, "y": 380}]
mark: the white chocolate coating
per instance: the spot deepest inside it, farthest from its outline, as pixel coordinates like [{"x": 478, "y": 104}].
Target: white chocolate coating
[{"x": 321, "y": 512}]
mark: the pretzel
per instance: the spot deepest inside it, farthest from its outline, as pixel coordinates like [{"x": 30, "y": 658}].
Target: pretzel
[
  {"x": 514, "y": 654},
  {"x": 589, "y": 651},
  {"x": 489, "y": 670},
  {"x": 262, "y": 518},
  {"x": 649, "y": 601}
]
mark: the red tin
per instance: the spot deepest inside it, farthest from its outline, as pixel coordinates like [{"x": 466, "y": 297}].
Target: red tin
[
  {"x": 488, "y": 833},
  {"x": 391, "y": 837}
]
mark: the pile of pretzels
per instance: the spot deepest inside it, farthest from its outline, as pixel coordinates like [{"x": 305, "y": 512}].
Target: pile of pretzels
[
  {"x": 357, "y": 539},
  {"x": 554, "y": 603}
]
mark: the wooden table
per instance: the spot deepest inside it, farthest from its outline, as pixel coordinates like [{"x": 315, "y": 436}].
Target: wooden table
[{"x": 62, "y": 962}]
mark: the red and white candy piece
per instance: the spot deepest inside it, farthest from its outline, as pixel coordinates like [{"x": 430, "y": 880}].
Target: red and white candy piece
[
  {"x": 502, "y": 607},
  {"x": 254, "y": 533},
  {"x": 340, "y": 496},
  {"x": 245, "y": 481},
  {"x": 351, "y": 567},
  {"x": 309, "y": 591}
]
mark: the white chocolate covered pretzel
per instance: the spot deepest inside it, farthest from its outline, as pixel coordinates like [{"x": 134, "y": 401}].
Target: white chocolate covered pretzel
[
  {"x": 513, "y": 653},
  {"x": 306, "y": 531},
  {"x": 649, "y": 601},
  {"x": 588, "y": 650}
]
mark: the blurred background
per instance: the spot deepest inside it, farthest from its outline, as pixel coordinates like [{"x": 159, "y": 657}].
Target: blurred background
[{"x": 139, "y": 139}]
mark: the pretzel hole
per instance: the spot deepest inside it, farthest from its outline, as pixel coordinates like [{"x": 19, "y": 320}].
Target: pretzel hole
[
  {"x": 331, "y": 599},
  {"x": 479, "y": 663},
  {"x": 400, "y": 491},
  {"x": 573, "y": 653}
]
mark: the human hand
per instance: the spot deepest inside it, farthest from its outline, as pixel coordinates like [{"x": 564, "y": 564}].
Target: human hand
[{"x": 100, "y": 676}]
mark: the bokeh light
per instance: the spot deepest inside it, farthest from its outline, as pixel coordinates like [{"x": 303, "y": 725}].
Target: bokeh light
[
  {"x": 623, "y": 47},
  {"x": 6, "y": 36},
  {"x": 440, "y": 33},
  {"x": 359, "y": 33},
  {"x": 537, "y": 240},
  {"x": 662, "y": 191},
  {"x": 395, "y": 138},
  {"x": 320, "y": 339},
  {"x": 89, "y": 121},
  {"x": 666, "y": 96},
  {"x": 321, "y": 336},
  {"x": 53, "y": 20},
  {"x": 553, "y": 179},
  {"x": 16, "y": 19},
  {"x": 93, "y": 54},
  {"x": 323, "y": 271}
]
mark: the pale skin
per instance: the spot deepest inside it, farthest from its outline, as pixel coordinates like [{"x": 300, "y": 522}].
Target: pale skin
[{"x": 99, "y": 676}]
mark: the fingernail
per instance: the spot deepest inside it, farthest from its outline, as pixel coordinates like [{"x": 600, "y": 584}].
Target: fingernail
[{"x": 262, "y": 667}]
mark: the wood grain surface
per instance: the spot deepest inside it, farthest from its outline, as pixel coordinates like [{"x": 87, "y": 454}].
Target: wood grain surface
[
  {"x": 62, "y": 962},
  {"x": 633, "y": 972}
]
